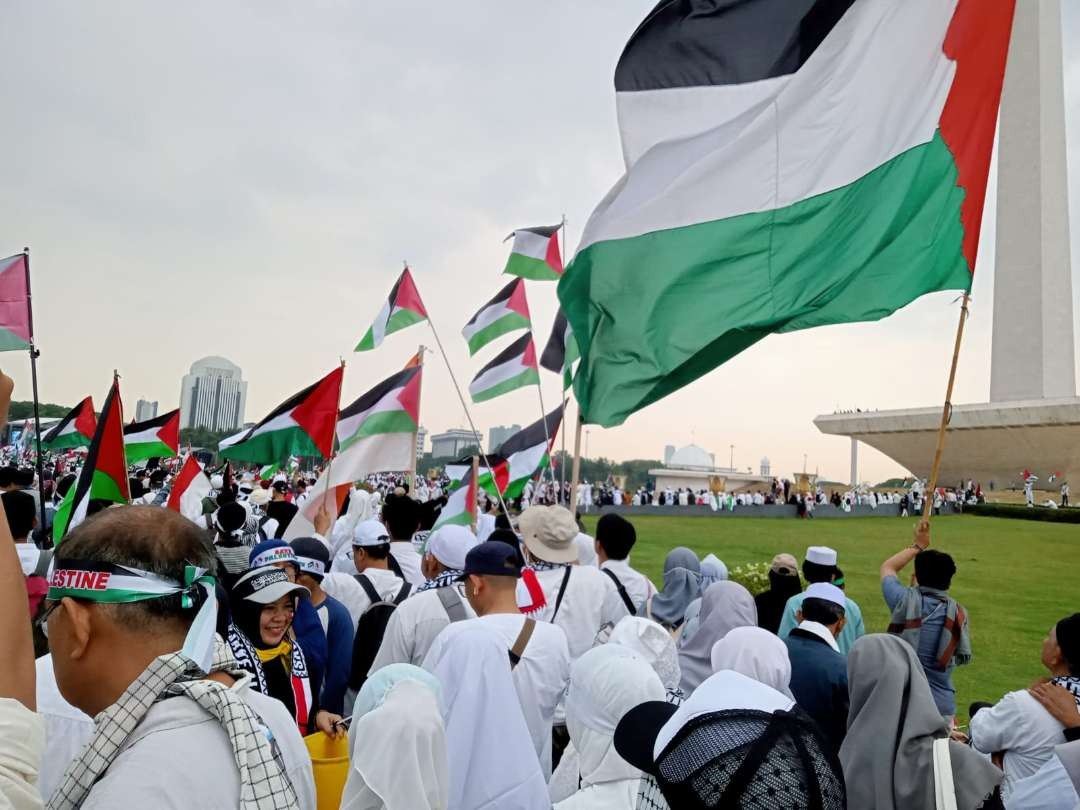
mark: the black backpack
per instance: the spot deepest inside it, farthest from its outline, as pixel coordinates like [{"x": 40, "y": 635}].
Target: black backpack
[{"x": 371, "y": 628}]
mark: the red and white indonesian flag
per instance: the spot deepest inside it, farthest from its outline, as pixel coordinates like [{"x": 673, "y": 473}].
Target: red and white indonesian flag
[
  {"x": 376, "y": 433},
  {"x": 189, "y": 489}
]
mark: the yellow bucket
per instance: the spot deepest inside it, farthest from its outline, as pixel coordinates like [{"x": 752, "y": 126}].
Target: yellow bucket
[{"x": 330, "y": 766}]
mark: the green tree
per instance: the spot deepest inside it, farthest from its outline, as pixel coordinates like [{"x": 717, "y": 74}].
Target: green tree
[{"x": 24, "y": 409}]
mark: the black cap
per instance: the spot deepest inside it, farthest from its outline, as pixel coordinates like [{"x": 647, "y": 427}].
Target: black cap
[
  {"x": 636, "y": 733},
  {"x": 313, "y": 556},
  {"x": 281, "y": 486},
  {"x": 493, "y": 559}
]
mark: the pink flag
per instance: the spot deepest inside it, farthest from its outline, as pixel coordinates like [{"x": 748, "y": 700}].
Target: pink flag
[{"x": 14, "y": 306}]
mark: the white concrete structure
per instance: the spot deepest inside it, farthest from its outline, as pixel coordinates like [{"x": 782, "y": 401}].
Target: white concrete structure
[
  {"x": 213, "y": 395},
  {"x": 693, "y": 467},
  {"x": 498, "y": 435},
  {"x": 453, "y": 442},
  {"x": 145, "y": 409},
  {"x": 1033, "y": 418}
]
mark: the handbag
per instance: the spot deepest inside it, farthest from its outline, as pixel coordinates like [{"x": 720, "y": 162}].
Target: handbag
[{"x": 944, "y": 789}]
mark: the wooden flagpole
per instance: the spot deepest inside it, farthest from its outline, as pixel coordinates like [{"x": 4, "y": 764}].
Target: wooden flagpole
[
  {"x": 575, "y": 476},
  {"x": 34, "y": 354},
  {"x": 946, "y": 416},
  {"x": 562, "y": 465},
  {"x": 419, "y": 388},
  {"x": 472, "y": 507}
]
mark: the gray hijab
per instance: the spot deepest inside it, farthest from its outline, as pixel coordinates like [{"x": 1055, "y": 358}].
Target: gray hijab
[
  {"x": 887, "y": 755},
  {"x": 682, "y": 585},
  {"x": 724, "y": 606}
]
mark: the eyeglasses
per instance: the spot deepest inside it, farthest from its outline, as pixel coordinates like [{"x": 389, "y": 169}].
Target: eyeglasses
[{"x": 41, "y": 621}]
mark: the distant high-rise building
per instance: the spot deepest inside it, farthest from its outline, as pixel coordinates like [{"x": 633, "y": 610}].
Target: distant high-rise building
[
  {"x": 766, "y": 467},
  {"x": 669, "y": 451},
  {"x": 213, "y": 395},
  {"x": 145, "y": 409},
  {"x": 421, "y": 440},
  {"x": 453, "y": 442},
  {"x": 498, "y": 435}
]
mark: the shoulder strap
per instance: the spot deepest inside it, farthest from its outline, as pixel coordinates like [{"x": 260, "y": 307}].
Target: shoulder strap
[
  {"x": 521, "y": 642},
  {"x": 394, "y": 565},
  {"x": 44, "y": 558},
  {"x": 451, "y": 602},
  {"x": 562, "y": 591},
  {"x": 622, "y": 591},
  {"x": 944, "y": 786},
  {"x": 369, "y": 589},
  {"x": 403, "y": 593}
]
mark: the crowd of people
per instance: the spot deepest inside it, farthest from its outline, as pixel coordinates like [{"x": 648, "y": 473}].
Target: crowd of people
[{"x": 525, "y": 664}]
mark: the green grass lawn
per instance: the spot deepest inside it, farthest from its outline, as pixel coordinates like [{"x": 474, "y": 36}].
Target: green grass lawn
[{"x": 1015, "y": 577}]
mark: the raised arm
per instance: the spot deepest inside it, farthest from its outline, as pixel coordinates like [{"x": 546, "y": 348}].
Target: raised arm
[{"x": 896, "y": 563}]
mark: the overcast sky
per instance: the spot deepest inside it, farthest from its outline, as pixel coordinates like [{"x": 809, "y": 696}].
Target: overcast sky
[{"x": 245, "y": 179}]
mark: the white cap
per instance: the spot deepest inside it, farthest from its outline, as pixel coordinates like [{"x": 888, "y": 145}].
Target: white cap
[
  {"x": 370, "y": 533},
  {"x": 821, "y": 555},
  {"x": 826, "y": 592},
  {"x": 216, "y": 482},
  {"x": 449, "y": 544}
]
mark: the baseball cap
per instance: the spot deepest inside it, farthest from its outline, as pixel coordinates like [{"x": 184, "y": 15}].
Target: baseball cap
[
  {"x": 826, "y": 592},
  {"x": 370, "y": 533},
  {"x": 269, "y": 552},
  {"x": 548, "y": 532},
  {"x": 449, "y": 545},
  {"x": 266, "y": 584},
  {"x": 492, "y": 558},
  {"x": 785, "y": 565},
  {"x": 312, "y": 556}
]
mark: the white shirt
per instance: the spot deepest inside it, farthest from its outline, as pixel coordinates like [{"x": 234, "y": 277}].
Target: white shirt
[
  {"x": 178, "y": 739},
  {"x": 637, "y": 586},
  {"x": 822, "y": 632},
  {"x": 1049, "y": 788},
  {"x": 21, "y": 747},
  {"x": 485, "y": 525},
  {"x": 352, "y": 594},
  {"x": 540, "y": 677},
  {"x": 581, "y": 613},
  {"x": 1018, "y": 725},
  {"x": 409, "y": 560},
  {"x": 413, "y": 627},
  {"x": 67, "y": 729}
]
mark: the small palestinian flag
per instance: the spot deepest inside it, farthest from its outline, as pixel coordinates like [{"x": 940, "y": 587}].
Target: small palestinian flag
[
  {"x": 506, "y": 312},
  {"x": 158, "y": 437},
  {"x": 460, "y": 508},
  {"x": 74, "y": 430},
  {"x": 535, "y": 254},
  {"x": 14, "y": 304},
  {"x": 526, "y": 452},
  {"x": 402, "y": 308},
  {"x": 491, "y": 479},
  {"x": 513, "y": 368},
  {"x": 561, "y": 350},
  {"x": 303, "y": 425},
  {"x": 189, "y": 489},
  {"x": 104, "y": 475}
]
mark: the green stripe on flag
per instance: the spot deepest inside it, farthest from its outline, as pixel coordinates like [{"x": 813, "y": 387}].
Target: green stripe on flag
[
  {"x": 530, "y": 268},
  {"x": 266, "y": 448},
  {"x": 529, "y": 376},
  {"x": 380, "y": 423},
  {"x": 507, "y": 323},
  {"x": 145, "y": 450}
]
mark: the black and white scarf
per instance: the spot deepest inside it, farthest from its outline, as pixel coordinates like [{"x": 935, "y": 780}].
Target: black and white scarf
[
  {"x": 444, "y": 580},
  {"x": 247, "y": 659},
  {"x": 1071, "y": 683}
]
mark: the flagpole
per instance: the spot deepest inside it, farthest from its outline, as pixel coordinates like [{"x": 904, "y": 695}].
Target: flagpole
[
  {"x": 34, "y": 353},
  {"x": 543, "y": 421},
  {"x": 946, "y": 415},
  {"x": 472, "y": 507},
  {"x": 468, "y": 416},
  {"x": 576, "y": 474},
  {"x": 562, "y": 466},
  {"x": 419, "y": 386}
]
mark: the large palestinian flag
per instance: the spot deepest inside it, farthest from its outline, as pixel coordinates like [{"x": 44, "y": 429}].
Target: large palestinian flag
[
  {"x": 402, "y": 308},
  {"x": 14, "y": 304},
  {"x": 513, "y": 368},
  {"x": 302, "y": 425},
  {"x": 789, "y": 165},
  {"x": 535, "y": 254},
  {"x": 74, "y": 430},
  {"x": 104, "y": 475},
  {"x": 527, "y": 452},
  {"x": 506, "y": 312},
  {"x": 157, "y": 437},
  {"x": 561, "y": 350},
  {"x": 376, "y": 433}
]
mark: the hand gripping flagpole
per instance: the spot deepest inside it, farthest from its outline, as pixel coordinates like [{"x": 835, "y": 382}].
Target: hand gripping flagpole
[{"x": 468, "y": 416}]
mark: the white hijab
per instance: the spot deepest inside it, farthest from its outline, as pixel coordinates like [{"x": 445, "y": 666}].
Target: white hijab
[
  {"x": 397, "y": 744},
  {"x": 493, "y": 763},
  {"x": 606, "y": 683},
  {"x": 586, "y": 549},
  {"x": 757, "y": 654},
  {"x": 653, "y": 643}
]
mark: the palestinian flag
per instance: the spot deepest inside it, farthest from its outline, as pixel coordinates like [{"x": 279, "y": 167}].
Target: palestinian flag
[
  {"x": 403, "y": 308},
  {"x": 74, "y": 430},
  {"x": 491, "y": 479},
  {"x": 104, "y": 475},
  {"x": 506, "y": 312},
  {"x": 527, "y": 452},
  {"x": 376, "y": 433},
  {"x": 189, "y": 489},
  {"x": 303, "y": 425},
  {"x": 535, "y": 254},
  {"x": 14, "y": 304},
  {"x": 561, "y": 350},
  {"x": 158, "y": 437},
  {"x": 460, "y": 508},
  {"x": 789, "y": 165},
  {"x": 513, "y": 368}
]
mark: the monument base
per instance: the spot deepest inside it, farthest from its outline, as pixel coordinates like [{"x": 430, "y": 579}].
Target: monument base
[{"x": 992, "y": 443}]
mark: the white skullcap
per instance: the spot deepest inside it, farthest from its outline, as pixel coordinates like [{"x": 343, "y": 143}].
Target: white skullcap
[
  {"x": 826, "y": 592},
  {"x": 449, "y": 544},
  {"x": 821, "y": 555}
]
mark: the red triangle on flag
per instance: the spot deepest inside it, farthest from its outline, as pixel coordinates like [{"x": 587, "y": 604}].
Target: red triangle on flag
[{"x": 317, "y": 414}]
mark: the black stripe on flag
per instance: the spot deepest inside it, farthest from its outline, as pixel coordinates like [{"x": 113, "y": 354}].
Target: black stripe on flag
[
  {"x": 156, "y": 422},
  {"x": 515, "y": 349},
  {"x": 55, "y": 430},
  {"x": 695, "y": 43},
  {"x": 80, "y": 490},
  {"x": 533, "y": 435},
  {"x": 501, "y": 297},
  {"x": 554, "y": 355},
  {"x": 284, "y": 407},
  {"x": 371, "y": 397},
  {"x": 540, "y": 230}
]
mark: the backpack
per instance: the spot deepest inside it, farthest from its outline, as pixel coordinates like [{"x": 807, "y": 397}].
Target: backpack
[{"x": 371, "y": 628}]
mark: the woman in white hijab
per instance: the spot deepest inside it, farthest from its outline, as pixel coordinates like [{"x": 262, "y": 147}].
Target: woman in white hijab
[
  {"x": 493, "y": 763},
  {"x": 757, "y": 654},
  {"x": 654, "y": 644},
  {"x": 725, "y": 606},
  {"x": 397, "y": 744},
  {"x": 605, "y": 683}
]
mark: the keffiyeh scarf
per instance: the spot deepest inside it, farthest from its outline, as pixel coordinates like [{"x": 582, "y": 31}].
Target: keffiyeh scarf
[
  {"x": 954, "y": 644},
  {"x": 264, "y": 784},
  {"x": 247, "y": 659},
  {"x": 444, "y": 580},
  {"x": 1071, "y": 683}
]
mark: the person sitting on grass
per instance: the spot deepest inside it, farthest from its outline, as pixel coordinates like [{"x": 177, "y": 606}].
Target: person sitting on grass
[{"x": 819, "y": 565}]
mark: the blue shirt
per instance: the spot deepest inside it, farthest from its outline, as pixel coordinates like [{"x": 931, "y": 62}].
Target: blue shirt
[
  {"x": 339, "y": 650},
  {"x": 853, "y": 626},
  {"x": 933, "y": 616}
]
